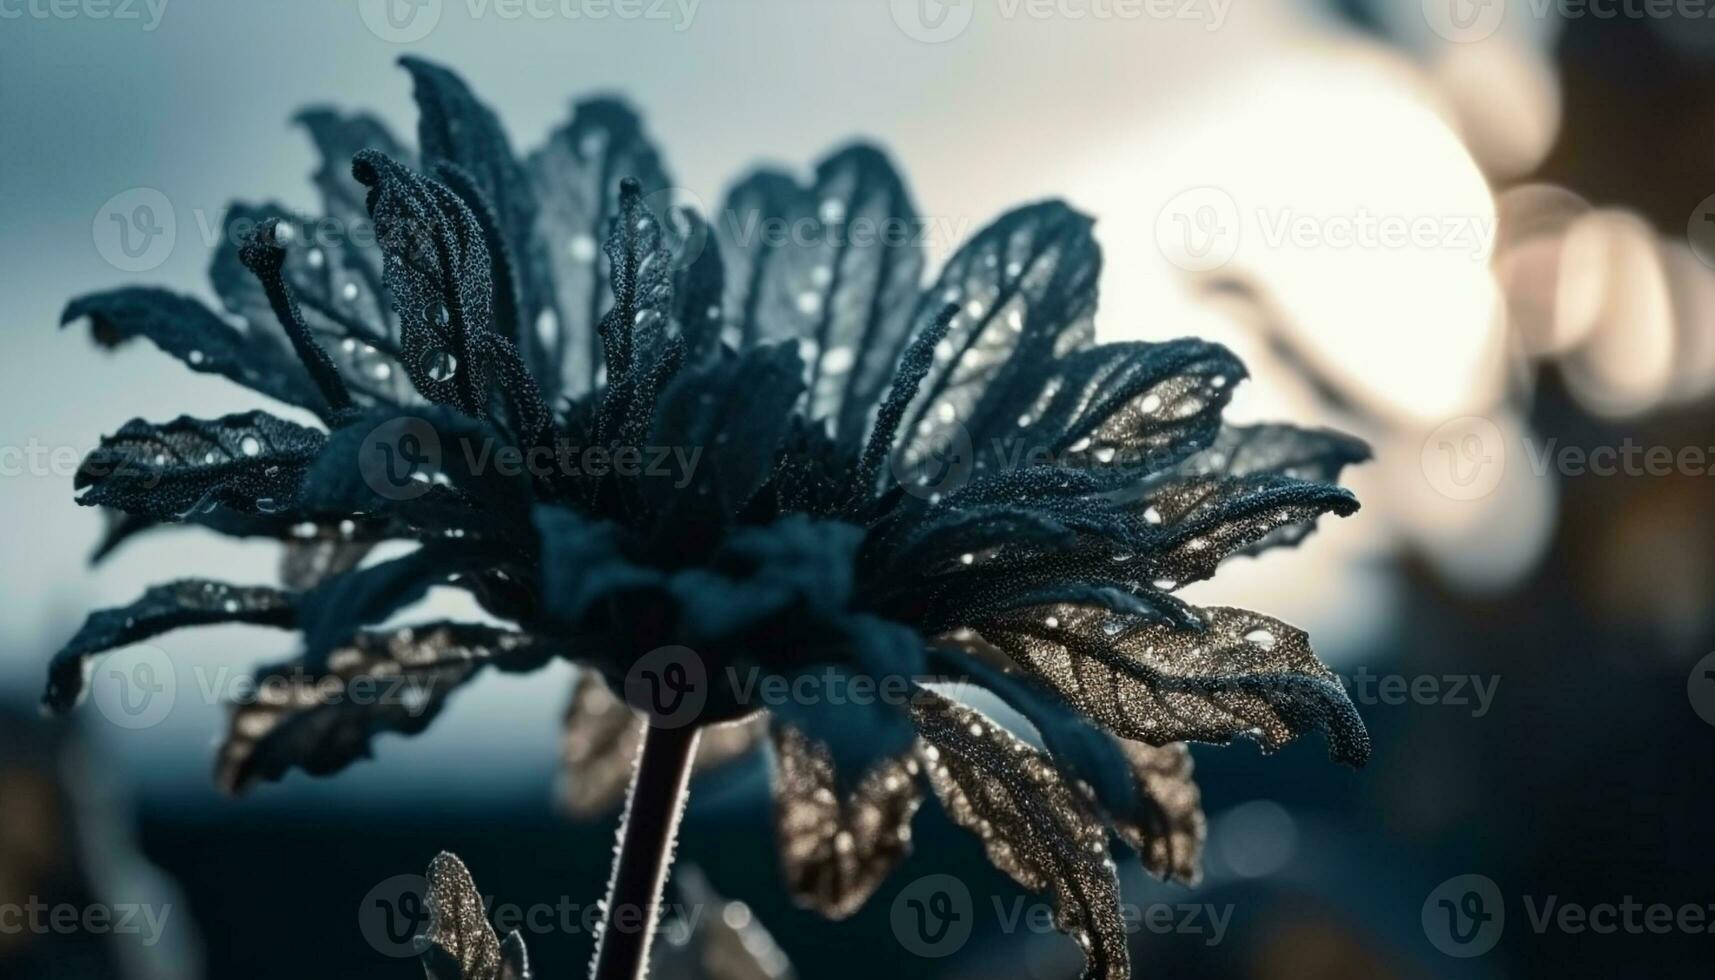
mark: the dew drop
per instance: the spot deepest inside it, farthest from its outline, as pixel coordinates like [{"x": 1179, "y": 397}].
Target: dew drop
[
  {"x": 316, "y": 258},
  {"x": 581, "y": 248},
  {"x": 249, "y": 446},
  {"x": 349, "y": 292},
  {"x": 1151, "y": 515},
  {"x": 1051, "y": 622},
  {"x": 283, "y": 234},
  {"x": 439, "y": 365},
  {"x": 1165, "y": 584},
  {"x": 195, "y": 357},
  {"x": 833, "y": 210},
  {"x": 1261, "y": 637},
  {"x": 838, "y": 360},
  {"x": 967, "y": 558},
  {"x": 1150, "y": 403},
  {"x": 547, "y": 327},
  {"x": 1080, "y": 445},
  {"x": 809, "y": 302},
  {"x": 1105, "y": 454}
]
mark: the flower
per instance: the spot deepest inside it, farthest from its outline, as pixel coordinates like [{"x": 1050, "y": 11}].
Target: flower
[{"x": 769, "y": 460}]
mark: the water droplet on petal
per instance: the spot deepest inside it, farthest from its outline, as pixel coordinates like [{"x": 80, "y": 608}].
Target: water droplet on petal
[
  {"x": 1261, "y": 637},
  {"x": 1150, "y": 403},
  {"x": 581, "y": 248},
  {"x": 249, "y": 445},
  {"x": 315, "y": 258},
  {"x": 440, "y": 365},
  {"x": 1151, "y": 515}
]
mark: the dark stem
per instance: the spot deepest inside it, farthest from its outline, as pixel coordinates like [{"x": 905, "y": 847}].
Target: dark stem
[{"x": 646, "y": 835}]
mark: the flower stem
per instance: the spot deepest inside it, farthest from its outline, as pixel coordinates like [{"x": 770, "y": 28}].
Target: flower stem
[{"x": 646, "y": 838}]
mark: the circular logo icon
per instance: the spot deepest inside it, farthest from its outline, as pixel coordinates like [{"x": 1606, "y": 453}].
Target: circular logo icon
[
  {"x": 395, "y": 914},
  {"x": 135, "y": 229},
  {"x": 937, "y": 471},
  {"x": 1464, "y": 916},
  {"x": 399, "y": 458},
  {"x": 1198, "y": 230},
  {"x": 685, "y": 238},
  {"x": 1700, "y": 231},
  {"x": 670, "y": 685},
  {"x": 1700, "y": 688},
  {"x": 933, "y": 21},
  {"x": 1464, "y": 21},
  {"x": 932, "y": 916},
  {"x": 1465, "y": 458},
  {"x": 400, "y": 21},
  {"x": 134, "y": 687}
]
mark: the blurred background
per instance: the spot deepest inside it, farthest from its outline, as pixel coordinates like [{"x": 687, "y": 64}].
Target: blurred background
[{"x": 1479, "y": 233}]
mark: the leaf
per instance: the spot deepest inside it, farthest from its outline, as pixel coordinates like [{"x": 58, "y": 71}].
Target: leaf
[
  {"x": 633, "y": 331},
  {"x": 914, "y": 364},
  {"x": 1026, "y": 289},
  {"x": 1168, "y": 829},
  {"x": 1034, "y": 826},
  {"x": 438, "y": 274},
  {"x": 254, "y": 357},
  {"x": 1240, "y": 674},
  {"x": 460, "y": 944},
  {"x": 836, "y": 850},
  {"x": 738, "y": 411},
  {"x": 334, "y": 611},
  {"x": 455, "y": 128},
  {"x": 837, "y": 266},
  {"x": 338, "y": 138},
  {"x": 322, "y": 720},
  {"x": 1254, "y": 488},
  {"x": 307, "y": 564},
  {"x": 161, "y": 609},
  {"x": 252, "y": 463},
  {"x": 599, "y": 745},
  {"x": 575, "y": 176},
  {"x": 1119, "y": 410},
  {"x": 343, "y": 310},
  {"x": 264, "y": 254}
]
